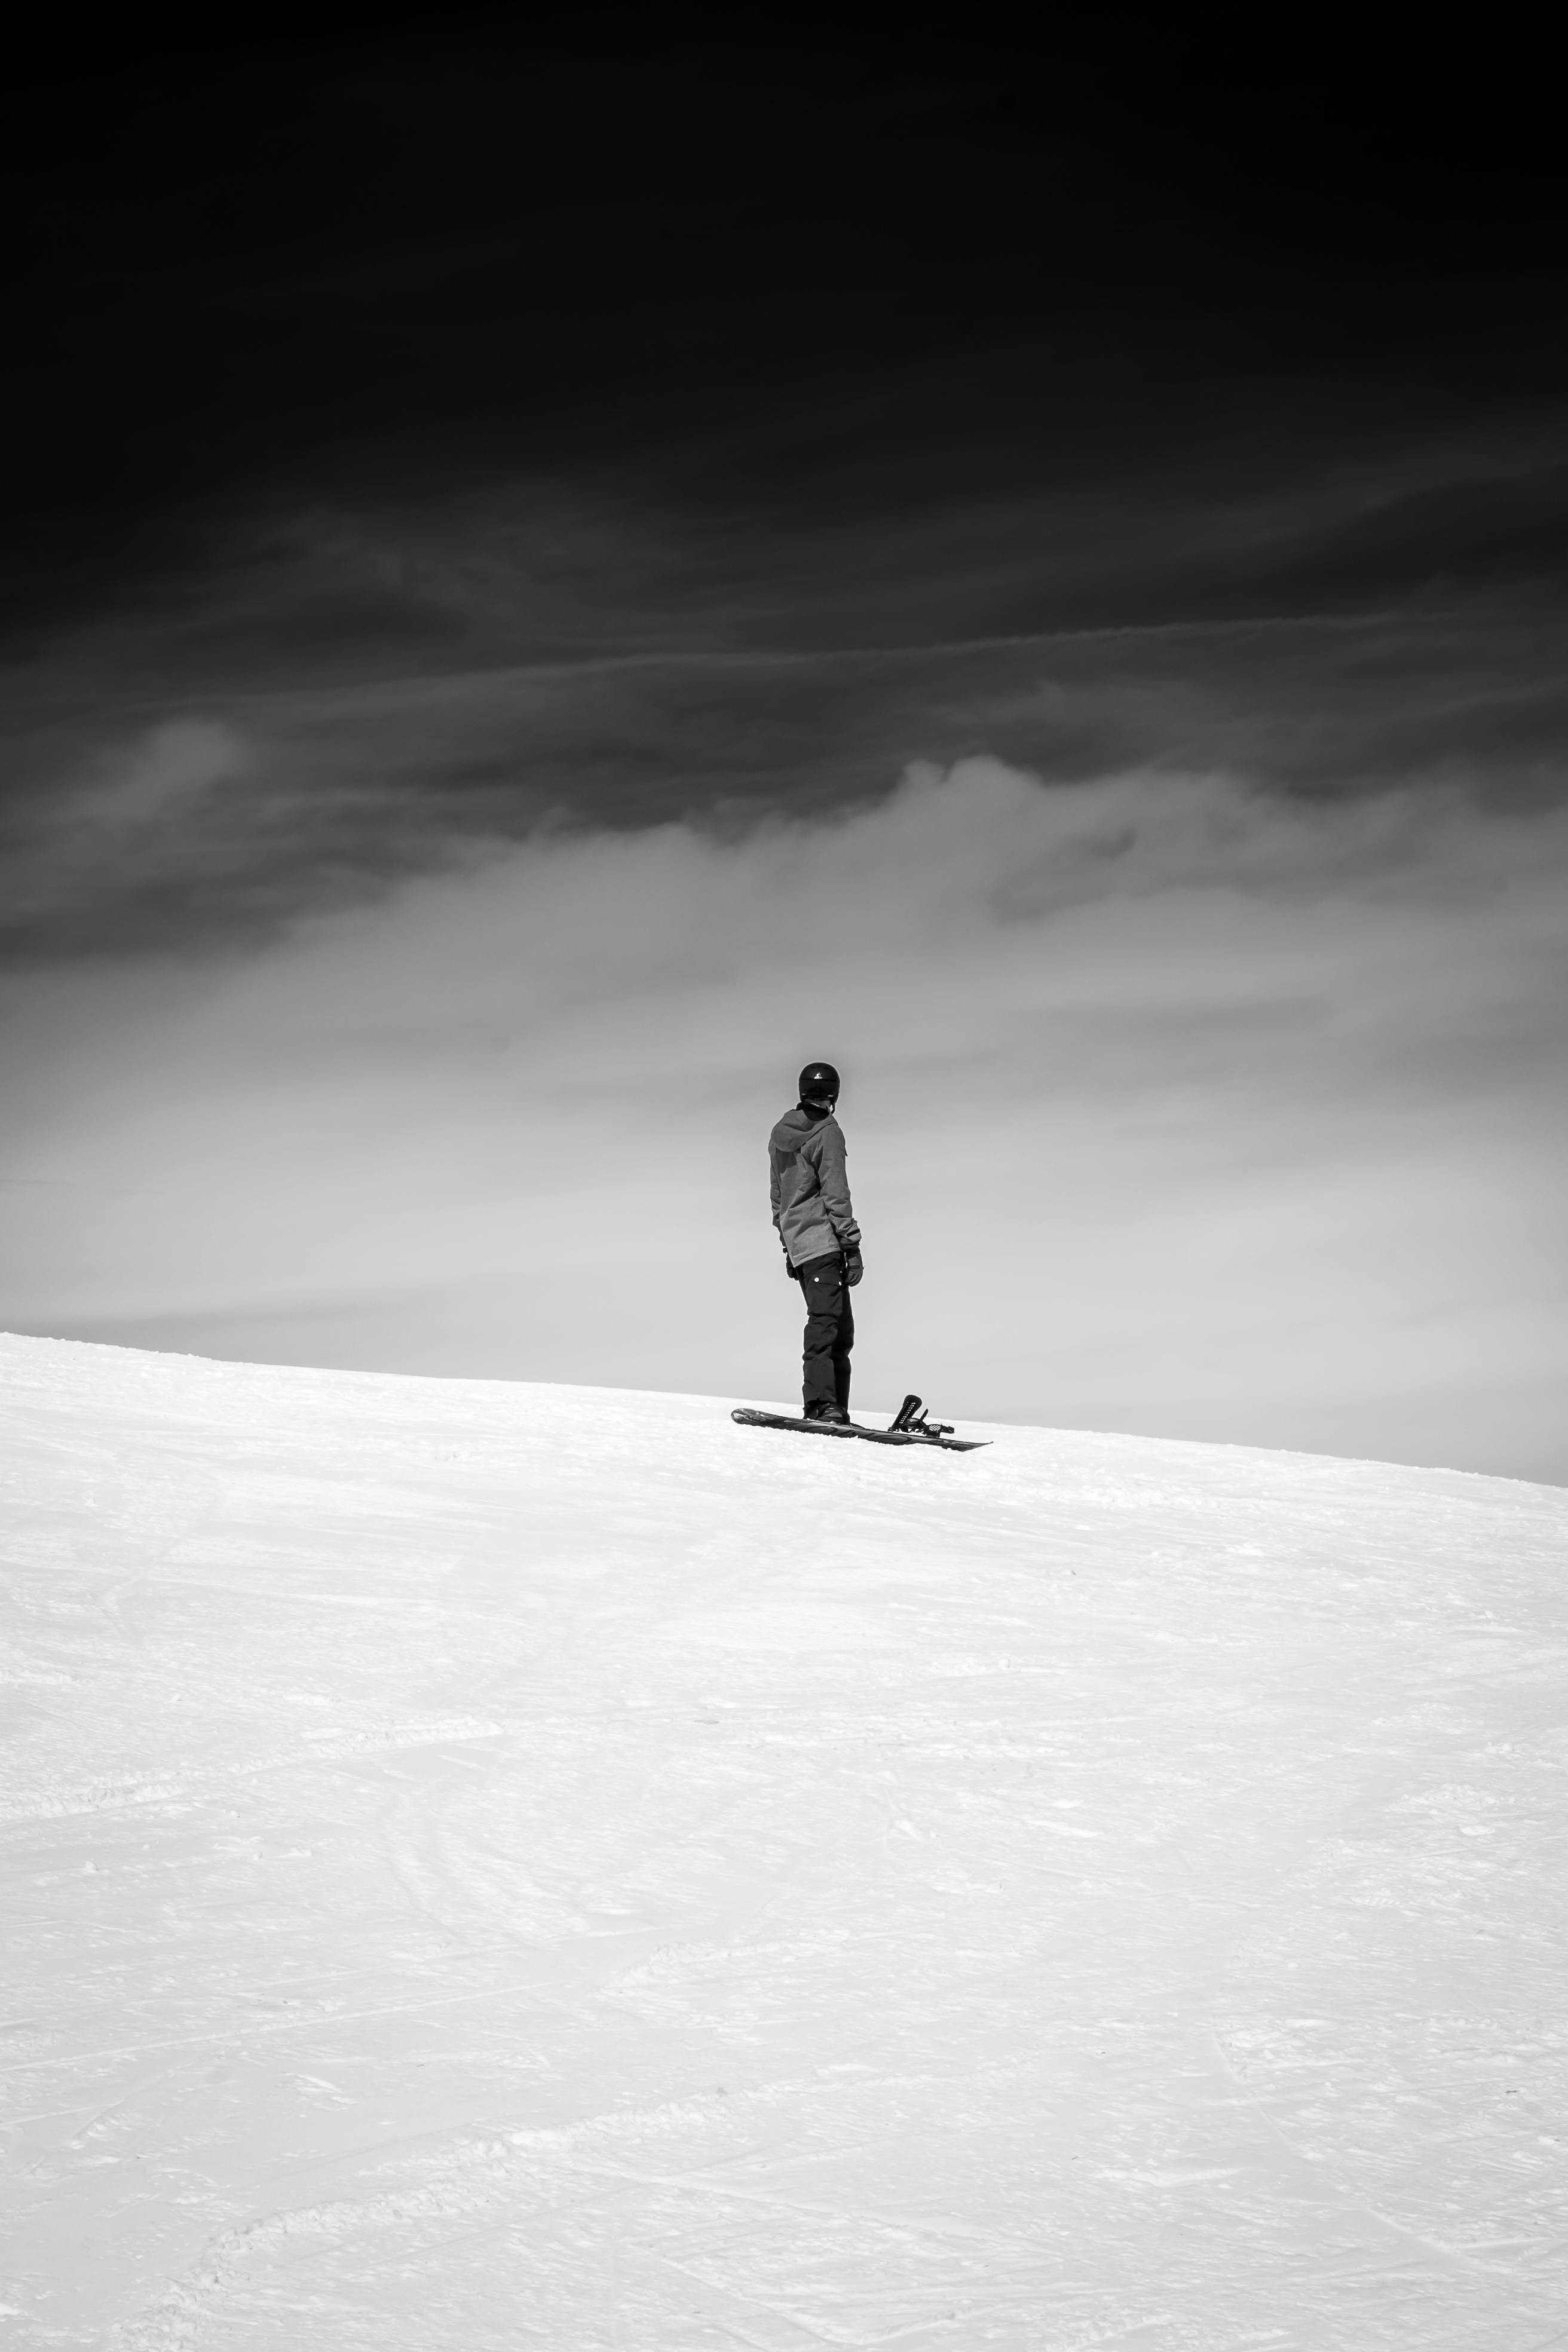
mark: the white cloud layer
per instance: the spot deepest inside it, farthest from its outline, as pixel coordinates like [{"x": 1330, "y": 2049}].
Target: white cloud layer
[{"x": 1170, "y": 1107}]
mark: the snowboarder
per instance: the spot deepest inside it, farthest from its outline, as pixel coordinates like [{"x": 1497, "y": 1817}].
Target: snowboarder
[{"x": 821, "y": 1239}]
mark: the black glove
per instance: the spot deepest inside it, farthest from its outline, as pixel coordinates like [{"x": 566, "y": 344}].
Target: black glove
[
  {"x": 854, "y": 1266},
  {"x": 789, "y": 1269}
]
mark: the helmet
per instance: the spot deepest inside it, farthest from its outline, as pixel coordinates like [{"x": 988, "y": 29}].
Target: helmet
[{"x": 819, "y": 1083}]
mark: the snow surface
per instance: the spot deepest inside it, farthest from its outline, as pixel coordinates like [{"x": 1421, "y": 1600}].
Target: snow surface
[{"x": 493, "y": 1867}]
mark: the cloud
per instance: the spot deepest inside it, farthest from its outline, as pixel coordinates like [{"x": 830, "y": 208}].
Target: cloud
[
  {"x": 1171, "y": 1105},
  {"x": 173, "y": 767},
  {"x": 143, "y": 822},
  {"x": 232, "y": 816},
  {"x": 324, "y": 700}
]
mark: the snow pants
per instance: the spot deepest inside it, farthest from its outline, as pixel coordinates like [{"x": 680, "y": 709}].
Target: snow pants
[{"x": 829, "y": 1332}]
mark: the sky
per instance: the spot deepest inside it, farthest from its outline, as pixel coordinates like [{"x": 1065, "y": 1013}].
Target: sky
[{"x": 546, "y": 587}]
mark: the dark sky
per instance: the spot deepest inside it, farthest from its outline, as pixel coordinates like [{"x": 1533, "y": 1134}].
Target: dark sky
[
  {"x": 807, "y": 290},
  {"x": 416, "y": 358}
]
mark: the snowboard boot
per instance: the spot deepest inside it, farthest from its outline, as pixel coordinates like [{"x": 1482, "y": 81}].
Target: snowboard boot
[{"x": 834, "y": 1412}]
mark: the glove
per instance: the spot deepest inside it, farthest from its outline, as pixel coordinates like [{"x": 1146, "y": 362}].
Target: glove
[
  {"x": 854, "y": 1266},
  {"x": 789, "y": 1269}
]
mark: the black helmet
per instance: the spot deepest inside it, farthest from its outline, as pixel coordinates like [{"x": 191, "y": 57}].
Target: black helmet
[{"x": 819, "y": 1083}]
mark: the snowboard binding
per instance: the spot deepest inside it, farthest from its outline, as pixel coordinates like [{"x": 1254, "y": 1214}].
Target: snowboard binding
[{"x": 911, "y": 1416}]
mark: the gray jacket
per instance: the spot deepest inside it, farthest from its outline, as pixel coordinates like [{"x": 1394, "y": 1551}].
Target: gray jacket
[{"x": 810, "y": 1190}]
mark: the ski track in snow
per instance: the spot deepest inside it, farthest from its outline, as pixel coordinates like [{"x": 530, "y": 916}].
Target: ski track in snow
[{"x": 493, "y": 1867}]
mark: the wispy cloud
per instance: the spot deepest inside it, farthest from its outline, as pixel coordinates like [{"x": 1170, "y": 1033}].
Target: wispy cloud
[
  {"x": 171, "y": 832},
  {"x": 1172, "y": 1104}
]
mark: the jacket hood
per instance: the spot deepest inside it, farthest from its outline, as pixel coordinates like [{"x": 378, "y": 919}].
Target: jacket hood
[{"x": 798, "y": 1122}]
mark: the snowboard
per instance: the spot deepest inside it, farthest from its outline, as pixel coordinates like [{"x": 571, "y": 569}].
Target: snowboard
[{"x": 910, "y": 1427}]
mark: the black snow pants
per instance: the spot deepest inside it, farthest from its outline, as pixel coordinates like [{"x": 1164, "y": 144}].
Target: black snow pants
[{"x": 829, "y": 1331}]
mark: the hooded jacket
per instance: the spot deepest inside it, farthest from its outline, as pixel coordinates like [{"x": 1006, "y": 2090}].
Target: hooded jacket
[{"x": 810, "y": 1190}]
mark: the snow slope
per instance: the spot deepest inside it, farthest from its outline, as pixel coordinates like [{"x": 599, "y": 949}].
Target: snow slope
[{"x": 498, "y": 1866}]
